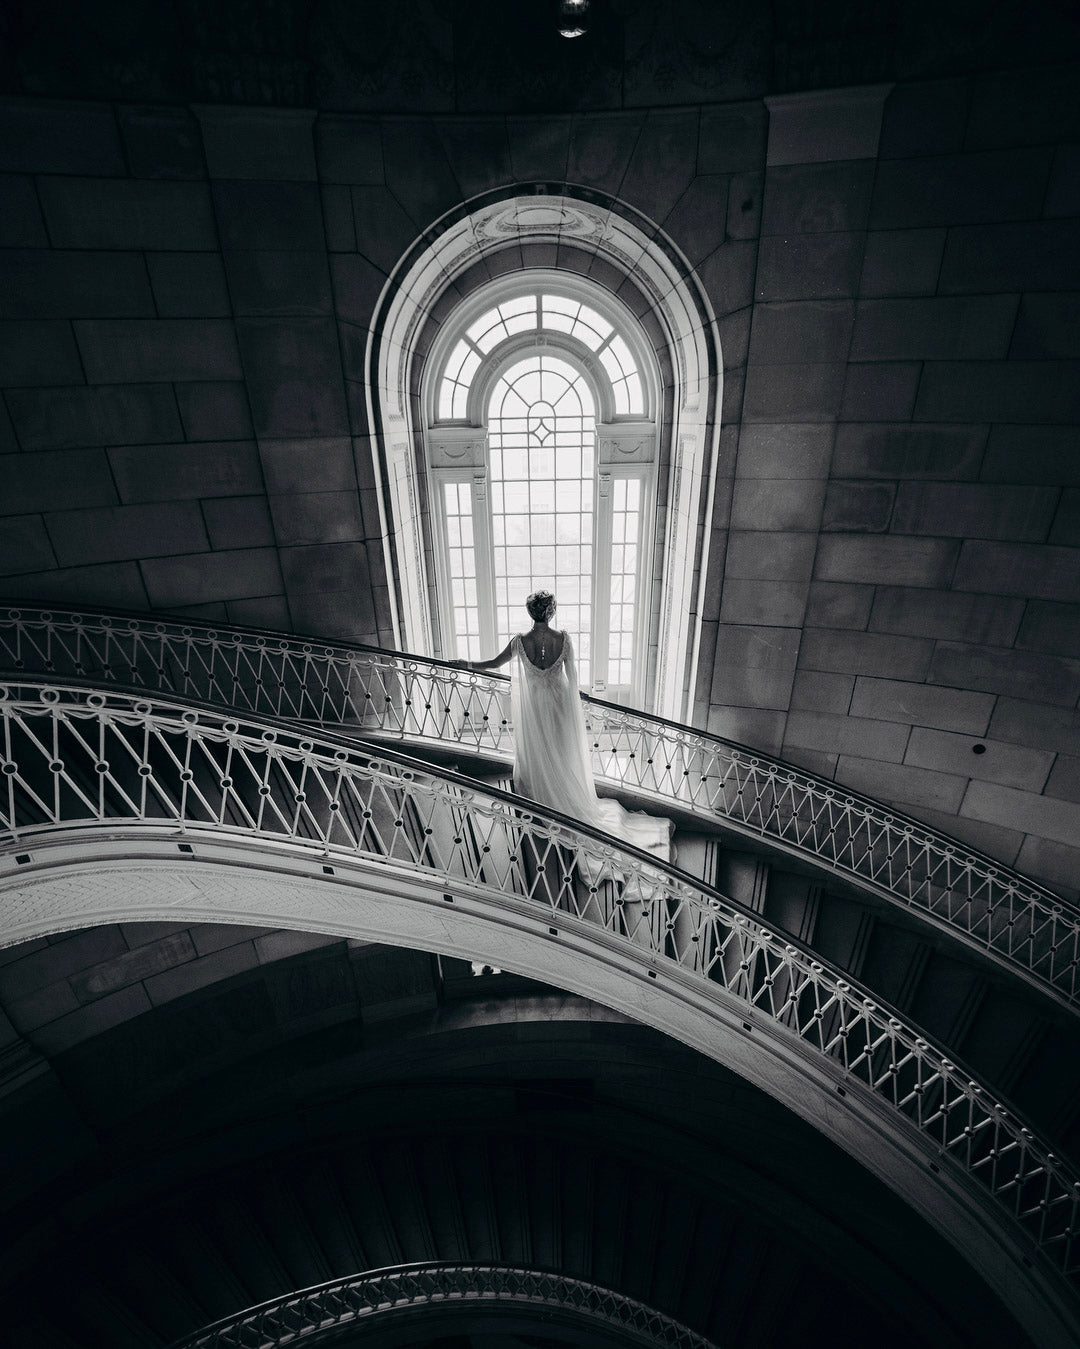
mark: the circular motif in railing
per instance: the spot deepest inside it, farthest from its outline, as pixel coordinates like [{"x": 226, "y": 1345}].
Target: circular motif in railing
[
  {"x": 190, "y": 718},
  {"x": 283, "y": 646},
  {"x": 231, "y": 727},
  {"x": 225, "y": 784},
  {"x": 10, "y": 769},
  {"x": 143, "y": 709},
  {"x": 102, "y": 766},
  {"x": 307, "y": 746},
  {"x": 106, "y": 622},
  {"x": 49, "y": 696},
  {"x": 56, "y": 766},
  {"x": 186, "y": 632},
  {"x": 187, "y": 775},
  {"x": 145, "y": 770},
  {"x": 95, "y": 700},
  {"x": 269, "y": 737}
]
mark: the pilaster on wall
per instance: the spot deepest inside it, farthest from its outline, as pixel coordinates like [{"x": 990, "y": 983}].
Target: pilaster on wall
[{"x": 819, "y": 170}]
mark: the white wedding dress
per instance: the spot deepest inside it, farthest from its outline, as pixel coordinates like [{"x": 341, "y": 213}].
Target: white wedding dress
[{"x": 551, "y": 754}]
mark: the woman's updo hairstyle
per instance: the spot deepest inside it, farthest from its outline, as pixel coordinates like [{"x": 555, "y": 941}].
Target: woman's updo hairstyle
[{"x": 540, "y": 605}]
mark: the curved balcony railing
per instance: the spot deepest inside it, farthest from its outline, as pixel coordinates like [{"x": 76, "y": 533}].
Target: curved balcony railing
[
  {"x": 385, "y": 694},
  {"x": 73, "y": 759},
  {"x": 330, "y": 1307}
]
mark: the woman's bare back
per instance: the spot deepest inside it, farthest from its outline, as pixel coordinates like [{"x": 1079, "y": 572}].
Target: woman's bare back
[{"x": 543, "y": 649}]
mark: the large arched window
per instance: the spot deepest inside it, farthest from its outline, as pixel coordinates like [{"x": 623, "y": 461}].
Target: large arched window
[{"x": 541, "y": 446}]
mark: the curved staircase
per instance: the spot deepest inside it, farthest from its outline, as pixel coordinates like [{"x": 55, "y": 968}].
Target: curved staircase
[{"x": 932, "y": 989}]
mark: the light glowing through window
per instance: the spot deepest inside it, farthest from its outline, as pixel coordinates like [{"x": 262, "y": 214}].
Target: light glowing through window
[
  {"x": 461, "y": 557},
  {"x": 625, "y": 526},
  {"x": 541, "y": 436}
]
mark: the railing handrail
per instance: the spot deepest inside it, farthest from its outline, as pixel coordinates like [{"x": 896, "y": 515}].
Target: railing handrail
[
  {"x": 841, "y": 1007},
  {"x": 453, "y": 1282},
  {"x": 1053, "y": 966}
]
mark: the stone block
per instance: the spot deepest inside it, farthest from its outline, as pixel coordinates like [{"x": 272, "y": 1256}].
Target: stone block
[
  {"x": 600, "y": 150},
  {"x": 905, "y": 451},
  {"x": 882, "y": 391},
  {"x": 21, "y": 225},
  {"x": 734, "y": 334},
  {"x": 728, "y": 275},
  {"x": 902, "y": 262},
  {"x": 316, "y": 517},
  {"x": 267, "y": 282},
  {"x": 759, "y": 728},
  {"x": 960, "y": 327},
  {"x": 822, "y": 691},
  {"x": 738, "y": 686},
  {"x": 756, "y": 647},
  {"x": 745, "y": 198},
  {"x": 262, "y": 611},
  {"x": 834, "y": 733},
  {"x": 1056, "y": 865},
  {"x": 732, "y": 138},
  {"x": 196, "y": 974},
  {"x": 770, "y": 556},
  {"x": 52, "y": 136},
  {"x": 538, "y": 149},
  {"x": 94, "y": 1019},
  {"x": 806, "y": 331},
  {"x": 1041, "y": 454},
  {"x": 777, "y": 504},
  {"x": 1039, "y": 571},
  {"x": 43, "y": 283},
  {"x": 113, "y": 533},
  {"x": 1052, "y": 679},
  {"x": 814, "y": 761},
  {"x": 214, "y": 410},
  {"x": 1066, "y": 527},
  {"x": 383, "y": 230},
  {"x": 1044, "y": 816},
  {"x": 132, "y": 967},
  {"x": 152, "y": 350},
  {"x": 116, "y": 584},
  {"x": 259, "y": 143},
  {"x": 238, "y": 522},
  {"x": 186, "y": 472},
  {"x": 1064, "y": 779},
  {"x": 901, "y": 783},
  {"x": 1002, "y": 844},
  {"x": 974, "y": 510},
  {"x": 817, "y": 198},
  {"x": 325, "y": 569},
  {"x": 927, "y": 117},
  {"x": 698, "y": 220},
  {"x": 796, "y": 392},
  {"x": 294, "y": 379},
  {"x": 201, "y": 578},
  {"x": 1063, "y": 194},
  {"x": 24, "y": 545},
  {"x": 78, "y": 951},
  {"x": 1037, "y": 255},
  {"x": 887, "y": 559},
  {"x": 419, "y": 174},
  {"x": 273, "y": 946},
  {"x": 42, "y": 1006},
  {"x": 478, "y": 151},
  {"x": 338, "y": 218},
  {"x": 55, "y": 480},
  {"x": 312, "y": 465},
  {"x": 189, "y": 285},
  {"x": 865, "y": 506},
  {"x": 161, "y": 142},
  {"x": 992, "y": 185},
  {"x": 919, "y": 704},
  {"x": 269, "y": 215},
  {"x": 781, "y": 451},
  {"x": 335, "y": 615},
  {"x": 865, "y": 653},
  {"x": 1019, "y": 107},
  {"x": 127, "y": 213},
  {"x": 809, "y": 266},
  {"x": 1051, "y": 627},
  {"x": 983, "y": 619},
  {"x": 1047, "y": 327},
  {"x": 107, "y": 414},
  {"x": 38, "y": 353},
  {"x": 995, "y": 761},
  {"x": 1006, "y": 391},
  {"x": 1043, "y": 727},
  {"x": 779, "y": 604},
  {"x": 348, "y": 149},
  {"x": 834, "y": 604},
  {"x": 663, "y": 163}
]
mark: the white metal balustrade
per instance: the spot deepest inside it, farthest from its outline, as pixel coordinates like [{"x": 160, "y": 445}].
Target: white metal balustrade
[
  {"x": 382, "y": 694},
  {"x": 71, "y": 759},
  {"x": 365, "y": 1297}
]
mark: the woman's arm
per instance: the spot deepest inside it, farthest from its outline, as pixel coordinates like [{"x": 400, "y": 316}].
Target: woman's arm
[{"x": 493, "y": 664}]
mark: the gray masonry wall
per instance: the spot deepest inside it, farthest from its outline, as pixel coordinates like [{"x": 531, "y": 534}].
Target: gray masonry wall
[{"x": 894, "y": 562}]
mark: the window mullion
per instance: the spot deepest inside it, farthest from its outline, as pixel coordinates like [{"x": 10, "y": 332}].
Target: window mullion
[
  {"x": 485, "y": 555},
  {"x": 601, "y": 602}
]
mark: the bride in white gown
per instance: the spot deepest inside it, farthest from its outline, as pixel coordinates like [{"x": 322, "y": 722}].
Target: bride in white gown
[{"x": 551, "y": 756}]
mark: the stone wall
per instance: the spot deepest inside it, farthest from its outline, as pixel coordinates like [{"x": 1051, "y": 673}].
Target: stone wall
[{"x": 894, "y": 559}]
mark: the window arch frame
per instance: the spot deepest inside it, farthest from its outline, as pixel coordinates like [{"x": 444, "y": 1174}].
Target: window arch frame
[{"x": 611, "y": 431}]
